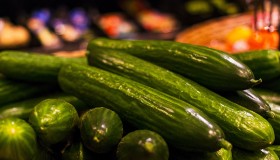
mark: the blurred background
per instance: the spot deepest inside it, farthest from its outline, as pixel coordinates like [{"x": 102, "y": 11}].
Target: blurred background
[{"x": 53, "y": 25}]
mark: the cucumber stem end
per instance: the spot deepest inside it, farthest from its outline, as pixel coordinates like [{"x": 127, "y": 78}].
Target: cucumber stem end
[{"x": 225, "y": 144}]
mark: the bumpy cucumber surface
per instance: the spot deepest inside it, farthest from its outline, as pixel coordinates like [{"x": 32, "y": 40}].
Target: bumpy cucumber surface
[
  {"x": 53, "y": 120},
  {"x": 142, "y": 144},
  {"x": 212, "y": 68},
  {"x": 12, "y": 90},
  {"x": 144, "y": 107},
  {"x": 33, "y": 67},
  {"x": 244, "y": 128},
  {"x": 101, "y": 129},
  {"x": 265, "y": 64}
]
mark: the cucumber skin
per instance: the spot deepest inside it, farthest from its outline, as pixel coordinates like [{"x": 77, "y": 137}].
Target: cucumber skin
[
  {"x": 53, "y": 120},
  {"x": 222, "y": 154},
  {"x": 142, "y": 144},
  {"x": 242, "y": 127},
  {"x": 33, "y": 67},
  {"x": 265, "y": 64},
  {"x": 142, "y": 106},
  {"x": 101, "y": 129},
  {"x": 12, "y": 90},
  {"x": 275, "y": 121},
  {"x": 18, "y": 140},
  {"x": 212, "y": 68},
  {"x": 22, "y": 109},
  {"x": 250, "y": 99},
  {"x": 269, "y": 95},
  {"x": 262, "y": 154}
]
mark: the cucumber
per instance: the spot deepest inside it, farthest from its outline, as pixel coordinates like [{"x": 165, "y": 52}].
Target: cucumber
[
  {"x": 101, "y": 129},
  {"x": 77, "y": 151},
  {"x": 53, "y": 120},
  {"x": 22, "y": 109},
  {"x": 250, "y": 99},
  {"x": 144, "y": 107},
  {"x": 222, "y": 154},
  {"x": 12, "y": 91},
  {"x": 262, "y": 154},
  {"x": 275, "y": 148},
  {"x": 242, "y": 127},
  {"x": 17, "y": 140},
  {"x": 264, "y": 63},
  {"x": 142, "y": 144},
  {"x": 269, "y": 95},
  {"x": 275, "y": 121},
  {"x": 33, "y": 67},
  {"x": 212, "y": 68}
]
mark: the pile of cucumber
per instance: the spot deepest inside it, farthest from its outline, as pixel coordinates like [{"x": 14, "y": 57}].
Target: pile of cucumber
[{"x": 140, "y": 100}]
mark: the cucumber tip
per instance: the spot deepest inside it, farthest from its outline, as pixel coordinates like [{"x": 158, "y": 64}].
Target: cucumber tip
[
  {"x": 256, "y": 81},
  {"x": 270, "y": 114},
  {"x": 225, "y": 144}
]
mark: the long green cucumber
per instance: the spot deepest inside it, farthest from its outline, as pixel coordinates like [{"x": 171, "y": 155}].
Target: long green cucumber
[
  {"x": 265, "y": 64},
  {"x": 180, "y": 123},
  {"x": 12, "y": 90},
  {"x": 243, "y": 128},
  {"x": 33, "y": 67},
  {"x": 22, "y": 109},
  {"x": 250, "y": 99},
  {"x": 212, "y": 68}
]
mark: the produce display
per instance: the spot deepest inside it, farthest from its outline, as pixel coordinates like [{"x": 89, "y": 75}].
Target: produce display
[{"x": 140, "y": 99}]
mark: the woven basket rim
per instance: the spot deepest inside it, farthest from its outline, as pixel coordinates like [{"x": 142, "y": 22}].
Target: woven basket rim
[{"x": 202, "y": 33}]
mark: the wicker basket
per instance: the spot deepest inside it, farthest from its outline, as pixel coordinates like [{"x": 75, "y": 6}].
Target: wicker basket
[{"x": 215, "y": 29}]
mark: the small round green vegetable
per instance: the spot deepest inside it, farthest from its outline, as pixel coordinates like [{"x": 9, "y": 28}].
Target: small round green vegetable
[
  {"x": 101, "y": 129},
  {"x": 142, "y": 145},
  {"x": 17, "y": 140},
  {"x": 53, "y": 120}
]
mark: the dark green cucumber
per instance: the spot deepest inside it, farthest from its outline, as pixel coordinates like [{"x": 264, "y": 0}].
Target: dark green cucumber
[
  {"x": 269, "y": 95},
  {"x": 250, "y": 99},
  {"x": 243, "y": 127},
  {"x": 181, "y": 124},
  {"x": 222, "y": 154},
  {"x": 33, "y": 67},
  {"x": 17, "y": 140},
  {"x": 53, "y": 120},
  {"x": 101, "y": 129},
  {"x": 142, "y": 144},
  {"x": 275, "y": 121},
  {"x": 265, "y": 64},
  {"x": 22, "y": 109},
  {"x": 12, "y": 90},
  {"x": 212, "y": 68},
  {"x": 262, "y": 154}
]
